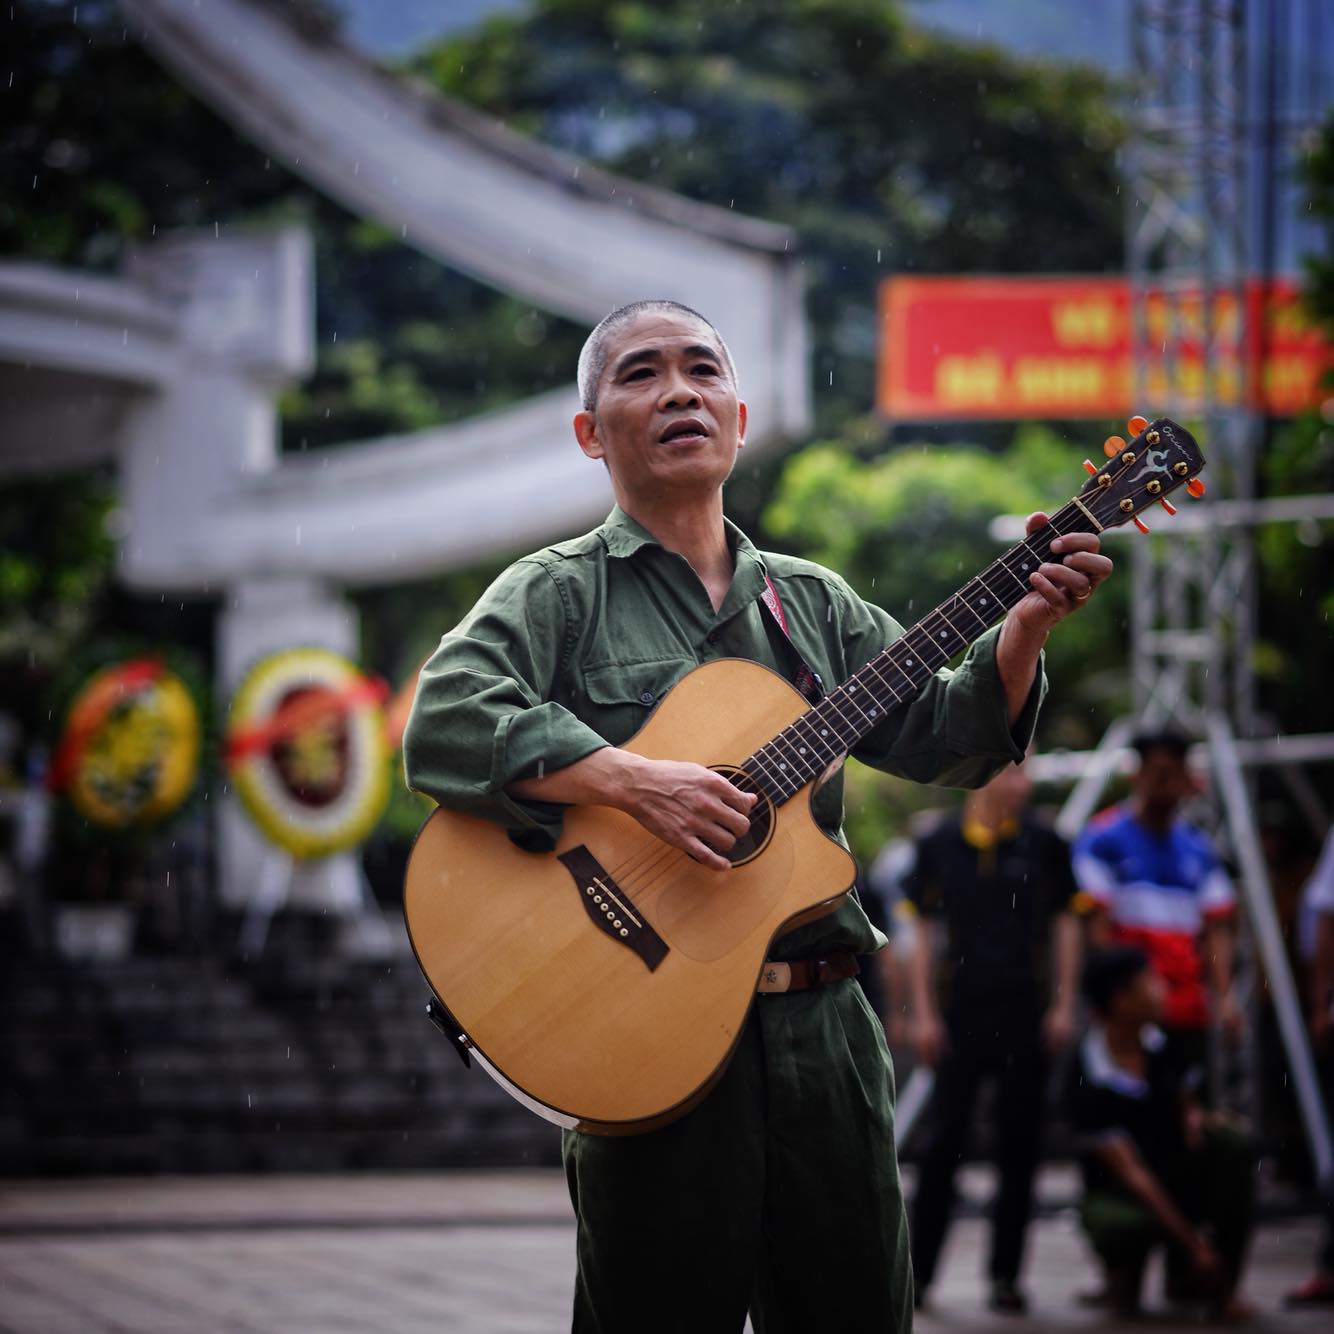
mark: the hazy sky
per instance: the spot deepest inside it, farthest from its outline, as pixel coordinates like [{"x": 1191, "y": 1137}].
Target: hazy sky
[{"x": 1094, "y": 30}]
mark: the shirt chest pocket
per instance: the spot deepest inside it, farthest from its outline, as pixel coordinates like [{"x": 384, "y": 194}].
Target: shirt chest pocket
[{"x": 621, "y": 695}]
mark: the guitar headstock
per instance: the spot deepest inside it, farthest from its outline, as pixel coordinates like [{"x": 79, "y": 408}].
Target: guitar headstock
[{"x": 1161, "y": 456}]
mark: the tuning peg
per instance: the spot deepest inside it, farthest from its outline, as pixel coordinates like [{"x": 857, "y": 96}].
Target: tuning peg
[
  {"x": 1113, "y": 445},
  {"x": 1195, "y": 487},
  {"x": 1089, "y": 468},
  {"x": 1168, "y": 506},
  {"x": 1140, "y": 524},
  {"x": 1136, "y": 424}
]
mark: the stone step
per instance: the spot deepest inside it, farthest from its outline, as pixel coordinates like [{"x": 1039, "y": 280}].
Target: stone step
[{"x": 155, "y": 1065}]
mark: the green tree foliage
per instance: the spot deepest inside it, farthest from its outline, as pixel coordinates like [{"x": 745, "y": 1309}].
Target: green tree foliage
[
  {"x": 100, "y": 148},
  {"x": 56, "y": 560},
  {"x": 888, "y": 149},
  {"x": 1295, "y": 654}
]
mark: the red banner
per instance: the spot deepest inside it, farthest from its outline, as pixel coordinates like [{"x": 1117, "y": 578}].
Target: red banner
[{"x": 955, "y": 348}]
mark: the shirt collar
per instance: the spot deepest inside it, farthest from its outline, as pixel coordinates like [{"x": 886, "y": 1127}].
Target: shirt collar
[
  {"x": 623, "y": 536},
  {"x": 1100, "y": 1069},
  {"x": 983, "y": 837}
]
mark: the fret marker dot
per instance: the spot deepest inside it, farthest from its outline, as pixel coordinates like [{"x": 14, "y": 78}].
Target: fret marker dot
[
  {"x": 824, "y": 731},
  {"x": 909, "y": 662},
  {"x": 874, "y": 712},
  {"x": 782, "y": 766},
  {"x": 801, "y": 750},
  {"x": 1024, "y": 566},
  {"x": 984, "y": 602},
  {"x": 942, "y": 634}
]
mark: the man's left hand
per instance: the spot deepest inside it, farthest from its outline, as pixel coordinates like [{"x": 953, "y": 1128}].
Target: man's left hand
[
  {"x": 1231, "y": 1017},
  {"x": 1064, "y": 583}
]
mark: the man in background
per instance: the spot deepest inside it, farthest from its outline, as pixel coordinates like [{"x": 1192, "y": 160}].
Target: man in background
[
  {"x": 995, "y": 894},
  {"x": 1317, "y": 944},
  {"x": 1155, "y": 881},
  {"x": 1158, "y": 1169}
]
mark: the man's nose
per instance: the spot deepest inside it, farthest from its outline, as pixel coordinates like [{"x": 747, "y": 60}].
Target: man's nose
[{"x": 678, "y": 391}]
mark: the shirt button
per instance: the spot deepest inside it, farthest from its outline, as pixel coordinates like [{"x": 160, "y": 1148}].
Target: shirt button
[
  {"x": 646, "y": 697},
  {"x": 712, "y": 636}
]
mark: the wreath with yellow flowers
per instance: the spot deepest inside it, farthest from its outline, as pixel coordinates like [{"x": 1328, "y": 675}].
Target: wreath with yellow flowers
[
  {"x": 306, "y": 750},
  {"x": 128, "y": 752}
]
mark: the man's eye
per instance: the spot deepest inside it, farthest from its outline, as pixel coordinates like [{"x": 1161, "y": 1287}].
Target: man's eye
[
  {"x": 706, "y": 368},
  {"x": 639, "y": 373}
]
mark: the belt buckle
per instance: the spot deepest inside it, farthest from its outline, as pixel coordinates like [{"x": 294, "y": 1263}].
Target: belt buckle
[{"x": 775, "y": 977}]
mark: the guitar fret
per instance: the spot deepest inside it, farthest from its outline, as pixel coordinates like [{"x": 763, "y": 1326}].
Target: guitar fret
[
  {"x": 919, "y": 629},
  {"x": 779, "y": 768},
  {"x": 944, "y": 634},
  {"x": 847, "y": 693},
  {"x": 875, "y": 671},
  {"x": 876, "y": 711},
  {"x": 810, "y": 742},
  {"x": 831, "y": 701},
  {"x": 817, "y": 739},
  {"x": 965, "y": 605}
]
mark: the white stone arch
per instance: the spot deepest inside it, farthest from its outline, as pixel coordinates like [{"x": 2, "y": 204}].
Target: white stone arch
[{"x": 172, "y": 369}]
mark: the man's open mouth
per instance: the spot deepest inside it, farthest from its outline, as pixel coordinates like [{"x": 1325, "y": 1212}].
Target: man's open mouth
[{"x": 687, "y": 428}]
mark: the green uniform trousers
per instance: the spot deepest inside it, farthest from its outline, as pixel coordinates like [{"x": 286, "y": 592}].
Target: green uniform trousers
[
  {"x": 1214, "y": 1186},
  {"x": 779, "y": 1193}
]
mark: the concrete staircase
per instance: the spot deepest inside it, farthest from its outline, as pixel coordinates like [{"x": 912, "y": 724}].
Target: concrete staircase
[{"x": 293, "y": 1062}]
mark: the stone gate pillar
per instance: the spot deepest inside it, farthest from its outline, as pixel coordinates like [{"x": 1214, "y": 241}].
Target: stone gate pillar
[{"x": 205, "y": 446}]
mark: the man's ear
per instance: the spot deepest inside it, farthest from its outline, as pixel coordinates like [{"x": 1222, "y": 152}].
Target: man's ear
[
  {"x": 586, "y": 433},
  {"x": 741, "y": 415}
]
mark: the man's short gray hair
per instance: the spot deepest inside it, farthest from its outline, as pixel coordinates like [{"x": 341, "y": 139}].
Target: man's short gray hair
[{"x": 593, "y": 357}]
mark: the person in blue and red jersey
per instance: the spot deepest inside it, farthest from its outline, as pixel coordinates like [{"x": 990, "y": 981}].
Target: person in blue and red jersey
[{"x": 1154, "y": 881}]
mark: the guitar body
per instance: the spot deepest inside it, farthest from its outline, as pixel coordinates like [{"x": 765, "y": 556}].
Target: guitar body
[{"x": 607, "y": 982}]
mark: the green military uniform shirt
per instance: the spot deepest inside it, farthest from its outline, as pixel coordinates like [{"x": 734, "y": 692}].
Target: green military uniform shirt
[{"x": 572, "y": 646}]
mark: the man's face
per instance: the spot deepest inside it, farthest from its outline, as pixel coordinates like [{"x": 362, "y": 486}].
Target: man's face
[
  {"x": 1162, "y": 781},
  {"x": 668, "y": 420},
  {"x": 1011, "y": 789},
  {"x": 1141, "y": 1001}
]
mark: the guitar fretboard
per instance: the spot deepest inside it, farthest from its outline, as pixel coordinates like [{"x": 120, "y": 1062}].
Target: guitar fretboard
[{"x": 831, "y": 728}]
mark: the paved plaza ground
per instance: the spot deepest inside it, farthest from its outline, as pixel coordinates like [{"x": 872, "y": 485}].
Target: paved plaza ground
[{"x": 449, "y": 1253}]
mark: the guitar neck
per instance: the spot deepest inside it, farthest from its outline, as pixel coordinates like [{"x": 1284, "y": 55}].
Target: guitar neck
[{"x": 834, "y": 726}]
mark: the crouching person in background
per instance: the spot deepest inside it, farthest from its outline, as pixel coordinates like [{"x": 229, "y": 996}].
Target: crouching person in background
[{"x": 1158, "y": 1169}]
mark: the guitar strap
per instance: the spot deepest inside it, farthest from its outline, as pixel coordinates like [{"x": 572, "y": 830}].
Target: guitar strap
[{"x": 805, "y": 678}]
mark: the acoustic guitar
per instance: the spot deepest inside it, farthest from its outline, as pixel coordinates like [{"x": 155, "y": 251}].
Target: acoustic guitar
[{"x": 605, "y": 983}]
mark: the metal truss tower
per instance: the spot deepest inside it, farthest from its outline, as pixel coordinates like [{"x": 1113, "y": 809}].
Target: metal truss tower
[
  {"x": 1188, "y": 259},
  {"x": 1205, "y": 190}
]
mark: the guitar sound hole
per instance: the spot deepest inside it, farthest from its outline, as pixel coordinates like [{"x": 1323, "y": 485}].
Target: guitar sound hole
[{"x": 751, "y": 844}]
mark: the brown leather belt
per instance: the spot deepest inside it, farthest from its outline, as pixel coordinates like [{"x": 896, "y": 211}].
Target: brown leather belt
[{"x": 778, "y": 976}]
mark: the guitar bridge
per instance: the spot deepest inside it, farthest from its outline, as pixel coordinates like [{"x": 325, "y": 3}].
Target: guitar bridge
[{"x": 609, "y": 907}]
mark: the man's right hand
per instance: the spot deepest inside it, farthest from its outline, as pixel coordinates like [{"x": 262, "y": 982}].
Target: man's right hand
[
  {"x": 688, "y": 806},
  {"x": 1204, "y": 1260},
  {"x": 928, "y": 1037}
]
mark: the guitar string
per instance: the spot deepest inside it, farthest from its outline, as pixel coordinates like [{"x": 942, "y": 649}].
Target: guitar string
[
  {"x": 774, "y": 783},
  {"x": 661, "y": 857},
  {"x": 667, "y": 857},
  {"x": 809, "y": 720}
]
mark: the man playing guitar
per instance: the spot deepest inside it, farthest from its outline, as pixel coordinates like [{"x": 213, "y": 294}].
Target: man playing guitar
[{"x": 779, "y": 1192}]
